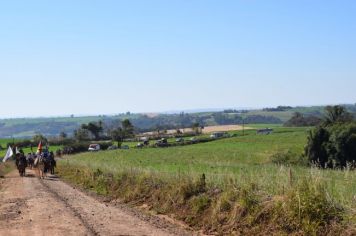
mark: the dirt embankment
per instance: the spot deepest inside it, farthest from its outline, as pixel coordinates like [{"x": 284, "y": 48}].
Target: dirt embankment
[{"x": 30, "y": 206}]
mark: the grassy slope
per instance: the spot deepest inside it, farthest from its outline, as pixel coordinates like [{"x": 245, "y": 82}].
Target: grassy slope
[{"x": 240, "y": 159}]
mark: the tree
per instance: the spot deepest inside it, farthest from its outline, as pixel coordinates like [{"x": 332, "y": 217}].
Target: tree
[
  {"x": 299, "y": 120},
  {"x": 63, "y": 135},
  {"x": 315, "y": 149},
  {"x": 94, "y": 128},
  {"x": 127, "y": 128},
  {"x": 333, "y": 143},
  {"x": 125, "y": 131},
  {"x": 81, "y": 134},
  {"x": 336, "y": 114},
  {"x": 196, "y": 128},
  {"x": 117, "y": 135}
]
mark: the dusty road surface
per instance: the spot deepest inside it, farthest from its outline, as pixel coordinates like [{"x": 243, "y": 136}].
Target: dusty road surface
[{"x": 30, "y": 206}]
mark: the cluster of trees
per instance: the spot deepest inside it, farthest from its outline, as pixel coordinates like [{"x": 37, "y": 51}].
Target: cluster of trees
[
  {"x": 123, "y": 131},
  {"x": 90, "y": 131},
  {"x": 279, "y": 108},
  {"x": 300, "y": 120},
  {"x": 118, "y": 130},
  {"x": 332, "y": 144},
  {"x": 235, "y": 111}
]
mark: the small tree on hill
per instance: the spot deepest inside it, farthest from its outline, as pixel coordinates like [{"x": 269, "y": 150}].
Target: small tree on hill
[
  {"x": 117, "y": 135},
  {"x": 94, "y": 128},
  {"x": 125, "y": 131},
  {"x": 128, "y": 128}
]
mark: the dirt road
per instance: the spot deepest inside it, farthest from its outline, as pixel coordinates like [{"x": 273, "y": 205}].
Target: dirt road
[{"x": 30, "y": 206}]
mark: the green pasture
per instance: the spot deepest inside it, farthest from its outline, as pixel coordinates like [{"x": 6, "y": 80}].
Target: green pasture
[{"x": 242, "y": 159}]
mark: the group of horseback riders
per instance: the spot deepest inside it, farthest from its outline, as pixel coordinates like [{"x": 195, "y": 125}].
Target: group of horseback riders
[{"x": 43, "y": 161}]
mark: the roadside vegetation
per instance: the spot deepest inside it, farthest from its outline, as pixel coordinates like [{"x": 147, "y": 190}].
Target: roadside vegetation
[
  {"x": 251, "y": 184},
  {"x": 6, "y": 168}
]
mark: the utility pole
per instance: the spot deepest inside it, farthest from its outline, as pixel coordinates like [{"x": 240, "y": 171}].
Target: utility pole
[{"x": 243, "y": 127}]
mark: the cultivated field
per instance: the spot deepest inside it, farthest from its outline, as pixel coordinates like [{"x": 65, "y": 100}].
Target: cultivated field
[
  {"x": 216, "y": 128},
  {"x": 208, "y": 129}
]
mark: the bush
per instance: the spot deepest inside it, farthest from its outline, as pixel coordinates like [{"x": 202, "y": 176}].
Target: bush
[
  {"x": 289, "y": 158},
  {"x": 332, "y": 146},
  {"x": 76, "y": 147}
]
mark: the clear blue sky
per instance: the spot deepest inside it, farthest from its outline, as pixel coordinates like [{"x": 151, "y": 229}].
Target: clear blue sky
[{"x": 104, "y": 57}]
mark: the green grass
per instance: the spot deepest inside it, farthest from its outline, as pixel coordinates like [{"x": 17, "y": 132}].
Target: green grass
[
  {"x": 241, "y": 187},
  {"x": 282, "y": 115},
  {"x": 242, "y": 159},
  {"x": 222, "y": 155}
]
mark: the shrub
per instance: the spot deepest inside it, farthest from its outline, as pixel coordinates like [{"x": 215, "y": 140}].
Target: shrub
[
  {"x": 289, "y": 158},
  {"x": 332, "y": 146},
  {"x": 76, "y": 147}
]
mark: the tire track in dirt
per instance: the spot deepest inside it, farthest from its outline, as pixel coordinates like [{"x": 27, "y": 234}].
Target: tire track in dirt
[
  {"x": 30, "y": 206},
  {"x": 76, "y": 213}
]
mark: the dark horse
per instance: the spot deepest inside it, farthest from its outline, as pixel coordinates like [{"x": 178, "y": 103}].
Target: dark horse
[
  {"x": 21, "y": 164},
  {"x": 30, "y": 161},
  {"x": 51, "y": 163}
]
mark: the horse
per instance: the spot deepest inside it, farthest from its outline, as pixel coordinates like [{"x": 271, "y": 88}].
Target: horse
[
  {"x": 51, "y": 163},
  {"x": 21, "y": 164},
  {"x": 30, "y": 160}
]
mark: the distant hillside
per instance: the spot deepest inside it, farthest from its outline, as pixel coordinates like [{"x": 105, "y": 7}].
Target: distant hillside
[{"x": 27, "y": 127}]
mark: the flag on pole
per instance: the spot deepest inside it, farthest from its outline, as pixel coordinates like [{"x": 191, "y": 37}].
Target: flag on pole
[
  {"x": 8, "y": 154},
  {"x": 39, "y": 148}
]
